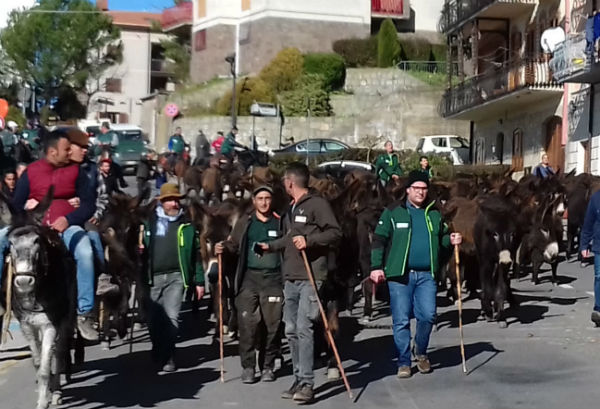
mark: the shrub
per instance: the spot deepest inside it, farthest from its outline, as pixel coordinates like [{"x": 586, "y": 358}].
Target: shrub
[
  {"x": 15, "y": 114},
  {"x": 248, "y": 90},
  {"x": 309, "y": 86},
  {"x": 284, "y": 70},
  {"x": 330, "y": 66},
  {"x": 439, "y": 52},
  {"x": 357, "y": 52},
  {"x": 388, "y": 48},
  {"x": 415, "y": 49}
]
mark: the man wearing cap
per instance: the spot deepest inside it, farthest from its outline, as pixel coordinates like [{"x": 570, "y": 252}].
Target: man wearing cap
[
  {"x": 171, "y": 250},
  {"x": 408, "y": 242},
  {"x": 258, "y": 285}
]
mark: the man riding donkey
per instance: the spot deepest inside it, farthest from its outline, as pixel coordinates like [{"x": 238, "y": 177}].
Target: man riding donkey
[
  {"x": 69, "y": 181},
  {"x": 258, "y": 286},
  {"x": 108, "y": 140},
  {"x": 171, "y": 250},
  {"x": 407, "y": 245}
]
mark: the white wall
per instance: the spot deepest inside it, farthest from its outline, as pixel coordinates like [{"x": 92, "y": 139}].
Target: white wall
[{"x": 427, "y": 14}]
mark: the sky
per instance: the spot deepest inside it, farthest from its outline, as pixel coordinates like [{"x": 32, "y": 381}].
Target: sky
[{"x": 6, "y": 6}]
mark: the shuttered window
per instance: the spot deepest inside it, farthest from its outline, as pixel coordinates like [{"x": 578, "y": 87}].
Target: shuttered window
[
  {"x": 200, "y": 40},
  {"x": 245, "y": 5}
]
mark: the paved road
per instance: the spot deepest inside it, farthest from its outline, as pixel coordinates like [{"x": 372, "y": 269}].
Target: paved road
[{"x": 547, "y": 357}]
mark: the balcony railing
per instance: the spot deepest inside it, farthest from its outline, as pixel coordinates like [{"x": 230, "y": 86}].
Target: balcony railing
[
  {"x": 456, "y": 12},
  {"x": 177, "y": 16},
  {"x": 387, "y": 7},
  {"x": 510, "y": 77}
]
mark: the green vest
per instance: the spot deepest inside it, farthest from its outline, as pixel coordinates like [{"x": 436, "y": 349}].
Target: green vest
[
  {"x": 30, "y": 135},
  {"x": 228, "y": 144},
  {"x": 8, "y": 140},
  {"x": 177, "y": 144}
]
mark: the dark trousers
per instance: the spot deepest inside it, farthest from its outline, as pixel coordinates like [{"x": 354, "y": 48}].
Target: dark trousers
[
  {"x": 164, "y": 305},
  {"x": 260, "y": 306}
]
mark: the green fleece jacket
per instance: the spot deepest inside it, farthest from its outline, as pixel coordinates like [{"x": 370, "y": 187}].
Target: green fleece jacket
[
  {"x": 392, "y": 239},
  {"x": 188, "y": 252},
  {"x": 387, "y": 165}
]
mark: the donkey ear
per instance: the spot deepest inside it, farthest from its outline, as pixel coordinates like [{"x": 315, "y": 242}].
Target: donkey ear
[{"x": 40, "y": 210}]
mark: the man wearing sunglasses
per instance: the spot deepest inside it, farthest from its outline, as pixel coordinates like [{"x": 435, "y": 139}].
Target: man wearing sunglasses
[{"x": 409, "y": 239}]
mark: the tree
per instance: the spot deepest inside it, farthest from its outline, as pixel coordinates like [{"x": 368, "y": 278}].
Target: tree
[
  {"x": 308, "y": 88},
  {"x": 388, "y": 48},
  {"x": 54, "y": 51}
]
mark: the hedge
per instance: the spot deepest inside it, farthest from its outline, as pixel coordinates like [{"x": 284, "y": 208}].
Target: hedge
[
  {"x": 308, "y": 87},
  {"x": 284, "y": 70},
  {"x": 388, "y": 47},
  {"x": 357, "y": 52},
  {"x": 330, "y": 66}
]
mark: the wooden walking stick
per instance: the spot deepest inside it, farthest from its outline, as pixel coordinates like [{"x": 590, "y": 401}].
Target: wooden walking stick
[
  {"x": 7, "y": 314},
  {"x": 459, "y": 295},
  {"x": 132, "y": 323},
  {"x": 326, "y": 325},
  {"x": 220, "y": 263}
]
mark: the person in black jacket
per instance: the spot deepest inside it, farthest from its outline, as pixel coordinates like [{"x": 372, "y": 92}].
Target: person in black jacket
[
  {"x": 110, "y": 178},
  {"x": 258, "y": 285}
]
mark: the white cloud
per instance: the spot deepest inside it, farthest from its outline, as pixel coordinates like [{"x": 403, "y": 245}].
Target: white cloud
[{"x": 6, "y": 6}]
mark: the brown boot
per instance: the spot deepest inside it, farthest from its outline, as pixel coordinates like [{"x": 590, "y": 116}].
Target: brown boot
[
  {"x": 423, "y": 364},
  {"x": 404, "y": 372}
]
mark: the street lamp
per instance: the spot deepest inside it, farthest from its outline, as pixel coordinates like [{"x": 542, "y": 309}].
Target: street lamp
[{"x": 231, "y": 60}]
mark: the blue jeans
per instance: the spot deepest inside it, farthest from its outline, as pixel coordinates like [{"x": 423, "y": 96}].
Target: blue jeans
[
  {"x": 597, "y": 282},
  {"x": 4, "y": 245},
  {"x": 78, "y": 243},
  {"x": 412, "y": 295},
  {"x": 300, "y": 311},
  {"x": 96, "y": 243}
]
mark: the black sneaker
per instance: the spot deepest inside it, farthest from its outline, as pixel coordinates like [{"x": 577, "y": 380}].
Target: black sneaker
[
  {"x": 85, "y": 325},
  {"x": 596, "y": 318},
  {"x": 289, "y": 394},
  {"x": 248, "y": 375},
  {"x": 268, "y": 375},
  {"x": 304, "y": 394}
]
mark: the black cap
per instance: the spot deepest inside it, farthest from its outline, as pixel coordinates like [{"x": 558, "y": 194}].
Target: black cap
[
  {"x": 417, "y": 176},
  {"x": 262, "y": 188}
]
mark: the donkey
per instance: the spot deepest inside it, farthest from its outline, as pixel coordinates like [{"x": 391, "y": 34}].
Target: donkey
[{"x": 43, "y": 298}]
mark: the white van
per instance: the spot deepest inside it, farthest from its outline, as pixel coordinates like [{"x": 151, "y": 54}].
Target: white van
[{"x": 456, "y": 146}]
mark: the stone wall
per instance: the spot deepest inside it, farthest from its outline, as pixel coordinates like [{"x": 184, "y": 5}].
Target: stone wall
[
  {"x": 262, "y": 39},
  {"x": 386, "y": 103}
]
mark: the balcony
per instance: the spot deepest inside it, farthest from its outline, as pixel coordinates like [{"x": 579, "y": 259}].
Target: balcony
[
  {"x": 161, "y": 67},
  {"x": 573, "y": 61},
  {"x": 178, "y": 17},
  {"x": 457, "y": 13},
  {"x": 390, "y": 8},
  {"x": 511, "y": 86}
]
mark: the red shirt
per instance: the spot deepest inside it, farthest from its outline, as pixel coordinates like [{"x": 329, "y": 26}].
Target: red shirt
[{"x": 217, "y": 143}]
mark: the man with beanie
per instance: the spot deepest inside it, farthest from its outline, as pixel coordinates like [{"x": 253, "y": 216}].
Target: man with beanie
[
  {"x": 309, "y": 226},
  {"x": 408, "y": 242},
  {"x": 173, "y": 263},
  {"x": 258, "y": 285}
]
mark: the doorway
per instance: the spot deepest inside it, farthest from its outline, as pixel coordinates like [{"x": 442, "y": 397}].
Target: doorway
[
  {"x": 553, "y": 143},
  {"x": 517, "y": 150}
]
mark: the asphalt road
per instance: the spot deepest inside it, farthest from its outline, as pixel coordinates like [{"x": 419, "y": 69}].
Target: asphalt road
[{"x": 547, "y": 357}]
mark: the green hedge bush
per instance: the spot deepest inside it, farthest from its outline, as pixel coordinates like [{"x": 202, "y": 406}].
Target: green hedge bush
[
  {"x": 254, "y": 89},
  {"x": 357, "y": 52},
  {"x": 309, "y": 86},
  {"x": 388, "y": 47},
  {"x": 330, "y": 66},
  {"x": 284, "y": 70}
]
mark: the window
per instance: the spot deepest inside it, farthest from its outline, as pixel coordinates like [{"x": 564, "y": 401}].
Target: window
[
  {"x": 420, "y": 145},
  {"x": 132, "y": 135},
  {"x": 200, "y": 40},
  {"x": 313, "y": 146},
  {"x": 201, "y": 8},
  {"x": 113, "y": 85},
  {"x": 333, "y": 146},
  {"x": 459, "y": 143},
  {"x": 440, "y": 142},
  {"x": 245, "y": 5}
]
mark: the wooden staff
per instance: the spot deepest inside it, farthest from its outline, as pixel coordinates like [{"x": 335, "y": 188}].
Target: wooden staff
[
  {"x": 7, "y": 314},
  {"x": 326, "y": 325},
  {"x": 132, "y": 323},
  {"x": 459, "y": 295},
  {"x": 220, "y": 263}
]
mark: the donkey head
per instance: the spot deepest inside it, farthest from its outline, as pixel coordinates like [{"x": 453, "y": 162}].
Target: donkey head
[{"x": 27, "y": 255}]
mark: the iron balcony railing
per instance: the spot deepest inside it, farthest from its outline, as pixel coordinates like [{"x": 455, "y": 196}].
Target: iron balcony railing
[
  {"x": 507, "y": 78},
  {"x": 433, "y": 67},
  {"x": 456, "y": 12}
]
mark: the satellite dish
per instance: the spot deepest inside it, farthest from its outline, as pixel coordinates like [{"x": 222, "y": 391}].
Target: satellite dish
[{"x": 551, "y": 38}]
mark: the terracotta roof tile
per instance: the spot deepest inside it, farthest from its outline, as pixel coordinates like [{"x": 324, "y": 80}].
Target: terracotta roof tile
[{"x": 133, "y": 18}]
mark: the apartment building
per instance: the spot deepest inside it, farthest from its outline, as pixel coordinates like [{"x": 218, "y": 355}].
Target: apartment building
[{"x": 501, "y": 80}]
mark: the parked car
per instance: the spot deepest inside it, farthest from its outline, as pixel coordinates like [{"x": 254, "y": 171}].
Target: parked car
[
  {"x": 346, "y": 165},
  {"x": 132, "y": 145},
  {"x": 456, "y": 146},
  {"x": 312, "y": 147}
]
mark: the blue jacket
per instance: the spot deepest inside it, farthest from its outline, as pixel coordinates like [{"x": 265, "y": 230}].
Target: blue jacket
[{"x": 590, "y": 232}]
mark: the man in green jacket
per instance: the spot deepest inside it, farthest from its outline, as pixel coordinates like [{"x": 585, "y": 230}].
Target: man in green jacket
[
  {"x": 173, "y": 263},
  {"x": 229, "y": 144},
  {"x": 409, "y": 239},
  {"x": 258, "y": 285},
  {"x": 387, "y": 165}
]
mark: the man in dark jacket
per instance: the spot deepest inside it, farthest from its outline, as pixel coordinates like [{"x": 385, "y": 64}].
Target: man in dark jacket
[
  {"x": 590, "y": 234},
  {"x": 309, "y": 226},
  {"x": 144, "y": 171},
  {"x": 173, "y": 263},
  {"x": 109, "y": 176},
  {"x": 408, "y": 240},
  {"x": 258, "y": 285},
  {"x": 202, "y": 149}
]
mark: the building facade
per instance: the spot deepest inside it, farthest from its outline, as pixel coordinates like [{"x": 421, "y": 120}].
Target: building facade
[
  {"x": 143, "y": 69},
  {"x": 501, "y": 80},
  {"x": 256, "y": 30}
]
